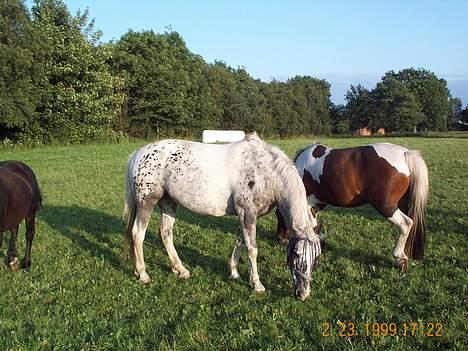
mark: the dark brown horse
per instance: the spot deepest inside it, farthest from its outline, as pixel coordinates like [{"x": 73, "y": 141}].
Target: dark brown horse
[
  {"x": 391, "y": 178},
  {"x": 20, "y": 198}
]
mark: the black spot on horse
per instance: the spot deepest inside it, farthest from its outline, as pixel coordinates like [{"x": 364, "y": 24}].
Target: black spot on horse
[
  {"x": 319, "y": 151},
  {"x": 251, "y": 184}
]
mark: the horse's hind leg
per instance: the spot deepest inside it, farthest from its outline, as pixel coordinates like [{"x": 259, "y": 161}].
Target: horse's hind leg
[
  {"x": 168, "y": 215},
  {"x": 404, "y": 224},
  {"x": 30, "y": 231},
  {"x": 12, "y": 250},
  {"x": 143, "y": 215}
]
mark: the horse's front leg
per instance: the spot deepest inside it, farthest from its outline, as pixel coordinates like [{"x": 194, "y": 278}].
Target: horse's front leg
[
  {"x": 236, "y": 252},
  {"x": 248, "y": 221},
  {"x": 12, "y": 250},
  {"x": 281, "y": 228}
]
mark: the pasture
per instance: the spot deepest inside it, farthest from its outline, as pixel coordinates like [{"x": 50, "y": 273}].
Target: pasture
[{"x": 80, "y": 294}]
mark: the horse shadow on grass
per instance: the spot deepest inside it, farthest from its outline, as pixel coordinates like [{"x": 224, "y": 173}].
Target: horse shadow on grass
[
  {"x": 91, "y": 230},
  {"x": 224, "y": 224},
  {"x": 101, "y": 234}
]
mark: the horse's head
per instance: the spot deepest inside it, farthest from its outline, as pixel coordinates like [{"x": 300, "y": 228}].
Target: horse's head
[{"x": 303, "y": 252}]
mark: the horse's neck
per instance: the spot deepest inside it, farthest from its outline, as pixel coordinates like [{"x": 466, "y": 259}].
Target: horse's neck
[
  {"x": 297, "y": 216},
  {"x": 293, "y": 203}
]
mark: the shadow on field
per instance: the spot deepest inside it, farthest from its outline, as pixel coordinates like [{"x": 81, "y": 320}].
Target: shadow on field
[
  {"x": 358, "y": 255},
  {"x": 100, "y": 230},
  {"x": 366, "y": 211},
  {"x": 226, "y": 224},
  {"x": 447, "y": 221}
]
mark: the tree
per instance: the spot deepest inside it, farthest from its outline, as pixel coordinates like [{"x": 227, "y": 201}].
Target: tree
[
  {"x": 396, "y": 107},
  {"x": 339, "y": 124},
  {"x": 19, "y": 70},
  {"x": 165, "y": 87},
  {"x": 455, "y": 112},
  {"x": 79, "y": 97},
  {"x": 360, "y": 107},
  {"x": 431, "y": 94}
]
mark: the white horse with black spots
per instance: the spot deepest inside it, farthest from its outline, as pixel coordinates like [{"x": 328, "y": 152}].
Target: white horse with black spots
[{"x": 246, "y": 178}]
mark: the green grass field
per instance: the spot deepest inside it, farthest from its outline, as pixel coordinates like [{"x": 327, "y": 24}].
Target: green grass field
[{"x": 80, "y": 294}]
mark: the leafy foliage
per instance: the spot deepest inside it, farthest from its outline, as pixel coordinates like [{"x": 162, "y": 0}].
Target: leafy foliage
[
  {"x": 58, "y": 82},
  {"x": 19, "y": 70},
  {"x": 409, "y": 100},
  {"x": 79, "y": 97}
]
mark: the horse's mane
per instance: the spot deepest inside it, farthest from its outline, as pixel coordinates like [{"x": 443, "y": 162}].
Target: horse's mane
[{"x": 286, "y": 171}]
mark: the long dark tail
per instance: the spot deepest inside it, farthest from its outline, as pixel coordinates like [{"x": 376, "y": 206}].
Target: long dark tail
[
  {"x": 417, "y": 200},
  {"x": 129, "y": 212}
]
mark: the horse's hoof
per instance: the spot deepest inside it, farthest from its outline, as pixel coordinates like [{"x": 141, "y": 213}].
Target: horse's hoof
[
  {"x": 25, "y": 264},
  {"x": 144, "y": 278},
  {"x": 402, "y": 264},
  {"x": 14, "y": 265},
  {"x": 184, "y": 274},
  {"x": 234, "y": 276},
  {"x": 258, "y": 287}
]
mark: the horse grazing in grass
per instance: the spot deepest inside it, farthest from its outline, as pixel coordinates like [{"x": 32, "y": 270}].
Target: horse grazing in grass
[
  {"x": 246, "y": 178},
  {"x": 393, "y": 179},
  {"x": 20, "y": 198}
]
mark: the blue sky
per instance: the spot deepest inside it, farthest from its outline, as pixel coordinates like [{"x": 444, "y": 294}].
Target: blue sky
[{"x": 345, "y": 42}]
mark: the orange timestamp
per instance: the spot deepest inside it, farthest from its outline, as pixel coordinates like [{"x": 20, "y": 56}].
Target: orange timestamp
[{"x": 374, "y": 329}]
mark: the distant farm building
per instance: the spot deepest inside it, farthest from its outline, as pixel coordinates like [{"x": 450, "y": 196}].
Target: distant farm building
[
  {"x": 363, "y": 131},
  {"x": 380, "y": 131},
  {"x": 222, "y": 136}
]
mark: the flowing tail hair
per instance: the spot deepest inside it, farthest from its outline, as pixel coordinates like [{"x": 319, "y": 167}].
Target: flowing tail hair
[
  {"x": 417, "y": 200},
  {"x": 129, "y": 212}
]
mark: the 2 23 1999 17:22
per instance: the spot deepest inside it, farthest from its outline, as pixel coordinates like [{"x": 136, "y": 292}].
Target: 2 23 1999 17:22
[{"x": 351, "y": 329}]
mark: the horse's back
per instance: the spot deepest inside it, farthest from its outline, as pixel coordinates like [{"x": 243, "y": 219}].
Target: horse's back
[
  {"x": 197, "y": 176},
  {"x": 20, "y": 194},
  {"x": 354, "y": 176}
]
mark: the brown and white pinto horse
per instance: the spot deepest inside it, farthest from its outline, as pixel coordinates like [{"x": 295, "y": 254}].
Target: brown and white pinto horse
[
  {"x": 393, "y": 179},
  {"x": 20, "y": 198}
]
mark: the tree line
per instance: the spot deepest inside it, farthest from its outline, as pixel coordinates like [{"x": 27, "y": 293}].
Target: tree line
[{"x": 59, "y": 82}]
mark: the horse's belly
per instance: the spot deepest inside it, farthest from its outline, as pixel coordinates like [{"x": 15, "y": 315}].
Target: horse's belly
[{"x": 214, "y": 201}]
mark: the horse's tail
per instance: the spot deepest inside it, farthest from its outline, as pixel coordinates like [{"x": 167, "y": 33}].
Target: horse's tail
[
  {"x": 37, "y": 196},
  {"x": 36, "y": 203},
  {"x": 417, "y": 200},
  {"x": 129, "y": 212}
]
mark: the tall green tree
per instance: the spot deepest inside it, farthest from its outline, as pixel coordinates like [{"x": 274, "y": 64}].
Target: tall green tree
[
  {"x": 396, "y": 107},
  {"x": 360, "y": 107},
  {"x": 165, "y": 87},
  {"x": 430, "y": 92},
  {"x": 19, "y": 69},
  {"x": 455, "y": 112},
  {"x": 80, "y": 96}
]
